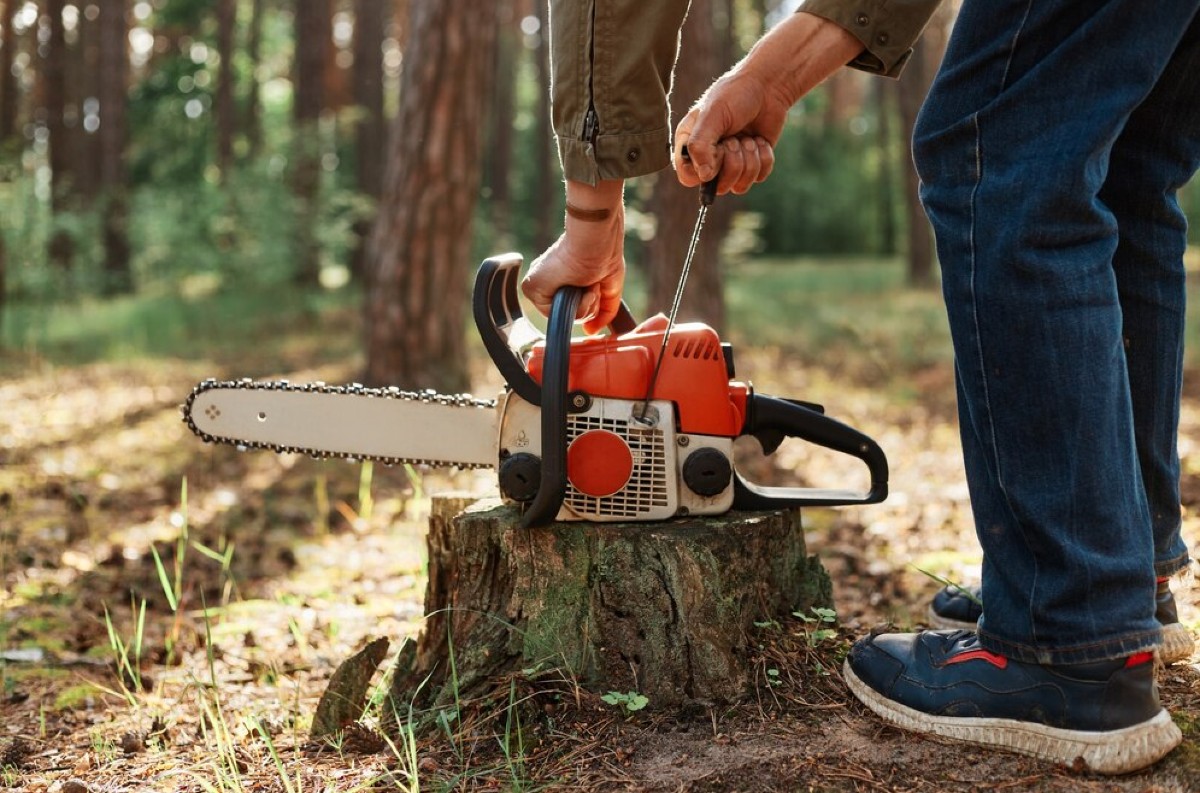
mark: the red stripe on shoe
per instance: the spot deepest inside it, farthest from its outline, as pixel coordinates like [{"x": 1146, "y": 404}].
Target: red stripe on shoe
[
  {"x": 1137, "y": 659},
  {"x": 998, "y": 661}
]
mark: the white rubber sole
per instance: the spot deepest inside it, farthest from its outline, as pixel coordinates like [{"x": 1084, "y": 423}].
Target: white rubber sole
[
  {"x": 1177, "y": 644},
  {"x": 1116, "y": 752}
]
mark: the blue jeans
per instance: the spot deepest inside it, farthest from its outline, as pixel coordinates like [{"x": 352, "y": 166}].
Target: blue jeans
[{"x": 1050, "y": 149}]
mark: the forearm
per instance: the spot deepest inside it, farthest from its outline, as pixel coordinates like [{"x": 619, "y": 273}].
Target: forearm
[{"x": 797, "y": 54}]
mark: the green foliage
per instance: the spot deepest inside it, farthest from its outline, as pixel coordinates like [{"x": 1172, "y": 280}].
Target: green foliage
[
  {"x": 825, "y": 194},
  {"x": 818, "y": 627},
  {"x": 628, "y": 702}
]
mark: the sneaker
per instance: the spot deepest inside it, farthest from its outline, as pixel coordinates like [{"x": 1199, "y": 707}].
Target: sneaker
[
  {"x": 959, "y": 608},
  {"x": 1102, "y": 716}
]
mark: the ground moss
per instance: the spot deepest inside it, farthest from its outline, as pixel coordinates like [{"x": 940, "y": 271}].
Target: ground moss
[{"x": 75, "y": 697}]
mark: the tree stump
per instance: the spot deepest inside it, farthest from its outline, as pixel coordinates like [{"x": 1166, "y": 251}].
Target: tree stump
[{"x": 663, "y": 609}]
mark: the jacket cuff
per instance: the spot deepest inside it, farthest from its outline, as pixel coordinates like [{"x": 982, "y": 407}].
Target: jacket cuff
[
  {"x": 614, "y": 156},
  {"x": 888, "y": 29}
]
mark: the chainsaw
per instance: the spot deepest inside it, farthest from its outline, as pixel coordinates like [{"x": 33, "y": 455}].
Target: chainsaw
[{"x": 616, "y": 427}]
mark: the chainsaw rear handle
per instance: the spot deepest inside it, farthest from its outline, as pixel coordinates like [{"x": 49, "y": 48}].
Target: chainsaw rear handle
[
  {"x": 507, "y": 334},
  {"x": 769, "y": 418}
]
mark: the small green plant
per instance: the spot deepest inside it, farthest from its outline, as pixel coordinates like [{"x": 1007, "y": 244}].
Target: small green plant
[
  {"x": 104, "y": 747},
  {"x": 629, "y": 702},
  {"x": 821, "y": 617},
  {"x": 366, "y": 502},
  {"x": 127, "y": 655},
  {"x": 513, "y": 743},
  {"x": 256, "y": 726},
  {"x": 946, "y": 582}
]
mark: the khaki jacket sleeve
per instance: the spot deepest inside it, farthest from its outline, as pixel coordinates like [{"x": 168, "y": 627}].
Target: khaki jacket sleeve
[
  {"x": 888, "y": 29},
  {"x": 611, "y": 63}
]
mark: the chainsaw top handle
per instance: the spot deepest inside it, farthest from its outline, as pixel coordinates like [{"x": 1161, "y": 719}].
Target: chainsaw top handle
[{"x": 507, "y": 334}]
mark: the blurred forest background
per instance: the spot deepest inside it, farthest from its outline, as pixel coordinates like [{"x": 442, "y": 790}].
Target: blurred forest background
[{"x": 155, "y": 153}]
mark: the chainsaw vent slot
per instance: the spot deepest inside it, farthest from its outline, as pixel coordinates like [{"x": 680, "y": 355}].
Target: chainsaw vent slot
[
  {"x": 646, "y": 489},
  {"x": 699, "y": 349}
]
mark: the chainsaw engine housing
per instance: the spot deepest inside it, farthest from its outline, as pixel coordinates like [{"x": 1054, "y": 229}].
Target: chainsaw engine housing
[{"x": 621, "y": 465}]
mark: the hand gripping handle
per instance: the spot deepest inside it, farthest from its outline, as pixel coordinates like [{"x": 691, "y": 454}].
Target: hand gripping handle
[
  {"x": 769, "y": 418},
  {"x": 507, "y": 334}
]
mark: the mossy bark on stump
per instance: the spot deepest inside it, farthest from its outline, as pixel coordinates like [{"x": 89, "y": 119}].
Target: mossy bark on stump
[{"x": 664, "y": 609}]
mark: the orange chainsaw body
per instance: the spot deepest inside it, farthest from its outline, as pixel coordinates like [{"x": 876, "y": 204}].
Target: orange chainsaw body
[{"x": 694, "y": 373}]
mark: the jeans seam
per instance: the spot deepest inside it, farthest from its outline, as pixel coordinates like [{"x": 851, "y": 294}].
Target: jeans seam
[{"x": 1012, "y": 47}]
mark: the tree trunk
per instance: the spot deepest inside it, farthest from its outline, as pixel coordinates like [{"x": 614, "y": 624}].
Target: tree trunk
[
  {"x": 370, "y": 21},
  {"x": 546, "y": 199},
  {"x": 226, "y": 120},
  {"x": 913, "y": 87},
  {"x": 54, "y": 97},
  {"x": 666, "y": 610},
  {"x": 114, "y": 66},
  {"x": 85, "y": 80},
  {"x": 253, "y": 120},
  {"x": 673, "y": 206},
  {"x": 498, "y": 150},
  {"x": 419, "y": 253},
  {"x": 9, "y": 90},
  {"x": 312, "y": 43},
  {"x": 884, "y": 91}
]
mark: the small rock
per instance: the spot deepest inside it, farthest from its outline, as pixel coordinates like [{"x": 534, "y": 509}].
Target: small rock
[
  {"x": 428, "y": 765},
  {"x": 75, "y": 786},
  {"x": 132, "y": 743}
]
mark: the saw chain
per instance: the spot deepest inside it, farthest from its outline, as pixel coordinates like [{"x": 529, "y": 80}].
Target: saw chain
[{"x": 465, "y": 401}]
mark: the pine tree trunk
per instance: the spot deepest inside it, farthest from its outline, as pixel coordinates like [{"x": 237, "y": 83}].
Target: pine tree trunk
[
  {"x": 370, "y": 21},
  {"x": 114, "y": 68},
  {"x": 9, "y": 90},
  {"x": 546, "y": 200},
  {"x": 913, "y": 86},
  {"x": 224, "y": 107},
  {"x": 673, "y": 206},
  {"x": 666, "y": 609},
  {"x": 54, "y": 75},
  {"x": 419, "y": 254},
  {"x": 498, "y": 150},
  {"x": 312, "y": 36},
  {"x": 253, "y": 110},
  {"x": 84, "y": 80}
]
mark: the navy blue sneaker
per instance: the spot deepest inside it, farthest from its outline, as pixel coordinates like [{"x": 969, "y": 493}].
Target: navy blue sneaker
[
  {"x": 1102, "y": 716},
  {"x": 956, "y": 607}
]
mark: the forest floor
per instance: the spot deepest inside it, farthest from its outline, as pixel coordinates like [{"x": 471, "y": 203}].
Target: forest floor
[{"x": 257, "y": 574}]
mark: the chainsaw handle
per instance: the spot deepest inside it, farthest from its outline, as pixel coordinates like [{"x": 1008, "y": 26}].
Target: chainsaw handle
[
  {"x": 770, "y": 417},
  {"x": 505, "y": 331},
  {"x": 557, "y": 364}
]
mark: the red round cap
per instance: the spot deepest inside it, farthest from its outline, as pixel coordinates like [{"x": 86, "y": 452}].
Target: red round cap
[{"x": 599, "y": 463}]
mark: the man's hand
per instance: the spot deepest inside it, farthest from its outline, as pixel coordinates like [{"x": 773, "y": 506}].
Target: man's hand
[
  {"x": 733, "y": 128},
  {"x": 590, "y": 254}
]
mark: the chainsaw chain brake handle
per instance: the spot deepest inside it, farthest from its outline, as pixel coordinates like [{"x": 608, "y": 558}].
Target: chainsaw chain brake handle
[
  {"x": 771, "y": 419},
  {"x": 507, "y": 334}
]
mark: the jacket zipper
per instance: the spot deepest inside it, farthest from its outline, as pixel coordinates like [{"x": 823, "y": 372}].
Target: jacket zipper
[{"x": 591, "y": 121}]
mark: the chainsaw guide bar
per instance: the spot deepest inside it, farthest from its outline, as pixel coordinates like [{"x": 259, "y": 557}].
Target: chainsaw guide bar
[{"x": 364, "y": 425}]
